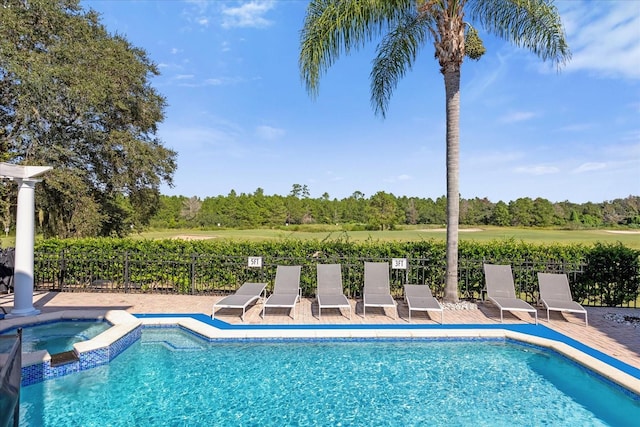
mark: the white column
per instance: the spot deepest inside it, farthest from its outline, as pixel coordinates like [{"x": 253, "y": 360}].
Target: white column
[{"x": 25, "y": 235}]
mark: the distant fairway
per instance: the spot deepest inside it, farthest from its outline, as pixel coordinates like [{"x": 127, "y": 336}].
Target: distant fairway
[{"x": 628, "y": 238}]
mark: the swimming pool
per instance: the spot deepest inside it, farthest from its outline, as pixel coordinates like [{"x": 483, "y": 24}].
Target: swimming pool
[
  {"x": 59, "y": 336},
  {"x": 171, "y": 377}
]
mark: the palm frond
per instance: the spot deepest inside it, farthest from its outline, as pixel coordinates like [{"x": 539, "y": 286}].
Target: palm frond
[
  {"x": 332, "y": 27},
  {"x": 532, "y": 24},
  {"x": 396, "y": 54}
]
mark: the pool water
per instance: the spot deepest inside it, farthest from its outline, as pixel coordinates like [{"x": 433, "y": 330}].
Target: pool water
[
  {"x": 57, "y": 337},
  {"x": 172, "y": 378}
]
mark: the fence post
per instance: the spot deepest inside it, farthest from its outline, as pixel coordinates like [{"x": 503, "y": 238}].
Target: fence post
[
  {"x": 125, "y": 276},
  {"x": 63, "y": 269},
  {"x": 192, "y": 273},
  {"x": 406, "y": 271}
]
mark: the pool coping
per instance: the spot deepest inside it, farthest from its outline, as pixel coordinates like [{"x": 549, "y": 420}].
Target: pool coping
[{"x": 610, "y": 368}]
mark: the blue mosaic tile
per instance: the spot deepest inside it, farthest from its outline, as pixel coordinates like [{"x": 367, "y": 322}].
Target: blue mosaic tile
[
  {"x": 93, "y": 358},
  {"x": 124, "y": 343},
  {"x": 33, "y": 374}
]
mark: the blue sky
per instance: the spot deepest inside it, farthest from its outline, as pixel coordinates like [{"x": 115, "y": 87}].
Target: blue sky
[{"x": 240, "y": 118}]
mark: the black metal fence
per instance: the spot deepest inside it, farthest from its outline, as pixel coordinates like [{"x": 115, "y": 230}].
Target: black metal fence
[
  {"x": 7, "y": 262},
  {"x": 205, "y": 274}
]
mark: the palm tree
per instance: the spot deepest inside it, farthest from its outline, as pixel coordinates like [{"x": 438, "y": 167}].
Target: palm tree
[{"x": 332, "y": 27}]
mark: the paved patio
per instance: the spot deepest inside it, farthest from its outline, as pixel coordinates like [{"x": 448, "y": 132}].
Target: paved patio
[{"x": 621, "y": 341}]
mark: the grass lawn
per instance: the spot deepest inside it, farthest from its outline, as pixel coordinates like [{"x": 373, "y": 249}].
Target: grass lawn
[{"x": 629, "y": 238}]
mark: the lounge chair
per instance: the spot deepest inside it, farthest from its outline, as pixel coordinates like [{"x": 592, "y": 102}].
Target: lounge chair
[
  {"x": 555, "y": 295},
  {"x": 329, "y": 293},
  {"x": 502, "y": 292},
  {"x": 245, "y": 295},
  {"x": 419, "y": 298},
  {"x": 376, "y": 287},
  {"x": 286, "y": 289}
]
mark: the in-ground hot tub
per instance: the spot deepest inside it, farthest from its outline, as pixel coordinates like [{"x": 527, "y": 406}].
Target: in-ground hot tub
[
  {"x": 38, "y": 364},
  {"x": 59, "y": 336}
]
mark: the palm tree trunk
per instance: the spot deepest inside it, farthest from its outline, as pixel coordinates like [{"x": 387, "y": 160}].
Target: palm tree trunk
[{"x": 452, "y": 93}]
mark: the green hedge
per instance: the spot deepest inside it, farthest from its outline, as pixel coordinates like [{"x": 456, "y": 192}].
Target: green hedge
[{"x": 601, "y": 274}]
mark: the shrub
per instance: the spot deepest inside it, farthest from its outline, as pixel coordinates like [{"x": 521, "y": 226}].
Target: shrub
[{"x": 611, "y": 274}]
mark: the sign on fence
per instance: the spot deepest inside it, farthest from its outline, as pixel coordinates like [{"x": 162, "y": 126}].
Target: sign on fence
[
  {"x": 399, "y": 263},
  {"x": 255, "y": 262}
]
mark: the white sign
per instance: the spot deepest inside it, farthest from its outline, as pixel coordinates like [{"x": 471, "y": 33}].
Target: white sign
[
  {"x": 399, "y": 263},
  {"x": 255, "y": 262}
]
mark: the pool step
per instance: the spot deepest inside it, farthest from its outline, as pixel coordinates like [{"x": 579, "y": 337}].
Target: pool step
[
  {"x": 63, "y": 358},
  {"x": 174, "y": 346}
]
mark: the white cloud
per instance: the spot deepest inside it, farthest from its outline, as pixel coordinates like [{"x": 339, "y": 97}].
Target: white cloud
[
  {"x": 493, "y": 159},
  {"x": 270, "y": 133},
  {"x": 221, "y": 140},
  {"x": 198, "y": 138},
  {"x": 633, "y": 136},
  {"x": 589, "y": 166},
  {"x": 247, "y": 15},
  {"x": 220, "y": 81},
  {"x": 188, "y": 80},
  {"x": 577, "y": 127},
  {"x": 518, "y": 116},
  {"x": 603, "y": 36},
  {"x": 537, "y": 170},
  {"x": 333, "y": 177},
  {"x": 202, "y": 4},
  {"x": 402, "y": 177},
  {"x": 214, "y": 82},
  {"x": 196, "y": 12},
  {"x": 478, "y": 86}
]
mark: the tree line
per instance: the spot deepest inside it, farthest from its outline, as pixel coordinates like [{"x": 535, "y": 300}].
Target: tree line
[{"x": 384, "y": 211}]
